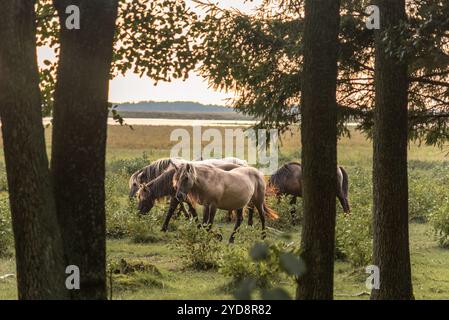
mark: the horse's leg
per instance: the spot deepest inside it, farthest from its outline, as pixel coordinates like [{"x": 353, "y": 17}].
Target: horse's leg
[
  {"x": 344, "y": 202},
  {"x": 250, "y": 215},
  {"x": 229, "y": 218},
  {"x": 192, "y": 211},
  {"x": 293, "y": 209},
  {"x": 212, "y": 212},
  {"x": 238, "y": 222},
  {"x": 183, "y": 210},
  {"x": 206, "y": 211},
  {"x": 173, "y": 205}
]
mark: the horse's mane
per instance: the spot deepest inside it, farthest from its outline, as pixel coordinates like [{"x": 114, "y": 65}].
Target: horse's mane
[
  {"x": 282, "y": 173},
  {"x": 162, "y": 186},
  {"x": 133, "y": 178},
  {"x": 155, "y": 169}
]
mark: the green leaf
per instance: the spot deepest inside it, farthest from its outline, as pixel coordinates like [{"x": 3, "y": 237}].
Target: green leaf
[
  {"x": 259, "y": 252},
  {"x": 276, "y": 294},
  {"x": 292, "y": 264}
]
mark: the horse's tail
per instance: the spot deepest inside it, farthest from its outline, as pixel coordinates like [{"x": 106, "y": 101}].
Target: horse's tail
[
  {"x": 270, "y": 187},
  {"x": 345, "y": 183},
  {"x": 345, "y": 188},
  {"x": 270, "y": 213}
]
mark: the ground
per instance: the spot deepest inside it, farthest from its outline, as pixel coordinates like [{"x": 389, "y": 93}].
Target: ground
[{"x": 171, "y": 278}]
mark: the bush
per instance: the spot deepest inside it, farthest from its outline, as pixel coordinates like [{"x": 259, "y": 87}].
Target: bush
[
  {"x": 128, "y": 166},
  {"x": 132, "y": 275},
  {"x": 256, "y": 262},
  {"x": 354, "y": 232},
  {"x": 6, "y": 236},
  {"x": 425, "y": 194},
  {"x": 286, "y": 220},
  {"x": 201, "y": 248},
  {"x": 122, "y": 218},
  {"x": 354, "y": 238},
  {"x": 440, "y": 222},
  {"x": 3, "y": 178}
]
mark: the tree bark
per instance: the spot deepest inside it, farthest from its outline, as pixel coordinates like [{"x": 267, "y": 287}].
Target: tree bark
[
  {"x": 390, "y": 185},
  {"x": 79, "y": 139},
  {"x": 39, "y": 251},
  {"x": 319, "y": 147}
]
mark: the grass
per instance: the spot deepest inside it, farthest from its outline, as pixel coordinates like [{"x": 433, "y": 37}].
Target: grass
[{"x": 168, "y": 277}]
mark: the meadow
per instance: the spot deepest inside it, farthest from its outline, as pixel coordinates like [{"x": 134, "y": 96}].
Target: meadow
[{"x": 189, "y": 263}]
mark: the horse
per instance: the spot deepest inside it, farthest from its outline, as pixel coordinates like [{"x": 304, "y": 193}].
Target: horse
[
  {"x": 226, "y": 190},
  {"x": 287, "y": 181},
  {"x": 161, "y": 187},
  {"x": 158, "y": 167}
]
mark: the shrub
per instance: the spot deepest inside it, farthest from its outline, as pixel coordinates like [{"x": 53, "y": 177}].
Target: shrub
[
  {"x": 3, "y": 178},
  {"x": 132, "y": 275},
  {"x": 354, "y": 232},
  {"x": 425, "y": 194},
  {"x": 354, "y": 238},
  {"x": 128, "y": 166},
  {"x": 6, "y": 236},
  {"x": 254, "y": 262},
  {"x": 440, "y": 222},
  {"x": 286, "y": 220},
  {"x": 200, "y": 248},
  {"x": 122, "y": 218}
]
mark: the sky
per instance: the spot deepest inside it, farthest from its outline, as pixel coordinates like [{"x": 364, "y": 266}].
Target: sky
[{"x": 132, "y": 88}]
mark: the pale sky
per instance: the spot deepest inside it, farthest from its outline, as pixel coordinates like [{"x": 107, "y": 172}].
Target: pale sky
[{"x": 133, "y": 88}]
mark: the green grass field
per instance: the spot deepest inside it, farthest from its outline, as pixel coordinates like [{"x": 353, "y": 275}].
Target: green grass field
[{"x": 160, "y": 267}]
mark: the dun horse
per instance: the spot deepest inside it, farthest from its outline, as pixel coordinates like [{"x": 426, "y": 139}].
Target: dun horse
[
  {"x": 161, "y": 187},
  {"x": 158, "y": 167},
  {"x": 287, "y": 180},
  {"x": 226, "y": 190}
]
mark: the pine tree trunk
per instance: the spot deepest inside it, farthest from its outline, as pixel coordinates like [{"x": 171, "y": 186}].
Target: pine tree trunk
[
  {"x": 390, "y": 185},
  {"x": 319, "y": 147},
  {"x": 38, "y": 243},
  {"x": 79, "y": 139}
]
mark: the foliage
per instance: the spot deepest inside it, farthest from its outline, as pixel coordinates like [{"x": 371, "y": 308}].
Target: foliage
[
  {"x": 259, "y": 57},
  {"x": 201, "y": 248},
  {"x": 3, "y": 178},
  {"x": 260, "y": 267},
  {"x": 127, "y": 167},
  {"x": 132, "y": 275},
  {"x": 354, "y": 231},
  {"x": 290, "y": 216},
  {"x": 122, "y": 218},
  {"x": 6, "y": 237},
  {"x": 440, "y": 221}
]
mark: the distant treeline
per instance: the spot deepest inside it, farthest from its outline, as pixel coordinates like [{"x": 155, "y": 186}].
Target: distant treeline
[{"x": 177, "y": 110}]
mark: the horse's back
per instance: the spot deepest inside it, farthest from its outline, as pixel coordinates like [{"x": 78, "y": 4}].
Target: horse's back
[{"x": 287, "y": 179}]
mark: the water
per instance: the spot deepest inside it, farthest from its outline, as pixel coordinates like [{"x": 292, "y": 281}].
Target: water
[{"x": 178, "y": 122}]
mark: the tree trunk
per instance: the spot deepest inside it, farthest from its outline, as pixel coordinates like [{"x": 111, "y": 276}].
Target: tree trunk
[
  {"x": 79, "y": 139},
  {"x": 390, "y": 185},
  {"x": 38, "y": 243},
  {"x": 319, "y": 147}
]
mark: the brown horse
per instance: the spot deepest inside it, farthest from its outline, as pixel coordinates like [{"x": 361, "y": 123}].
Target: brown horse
[
  {"x": 287, "y": 181},
  {"x": 227, "y": 190},
  {"x": 162, "y": 187}
]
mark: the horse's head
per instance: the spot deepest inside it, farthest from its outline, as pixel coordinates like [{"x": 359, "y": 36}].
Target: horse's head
[
  {"x": 145, "y": 199},
  {"x": 183, "y": 180},
  {"x": 135, "y": 181}
]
